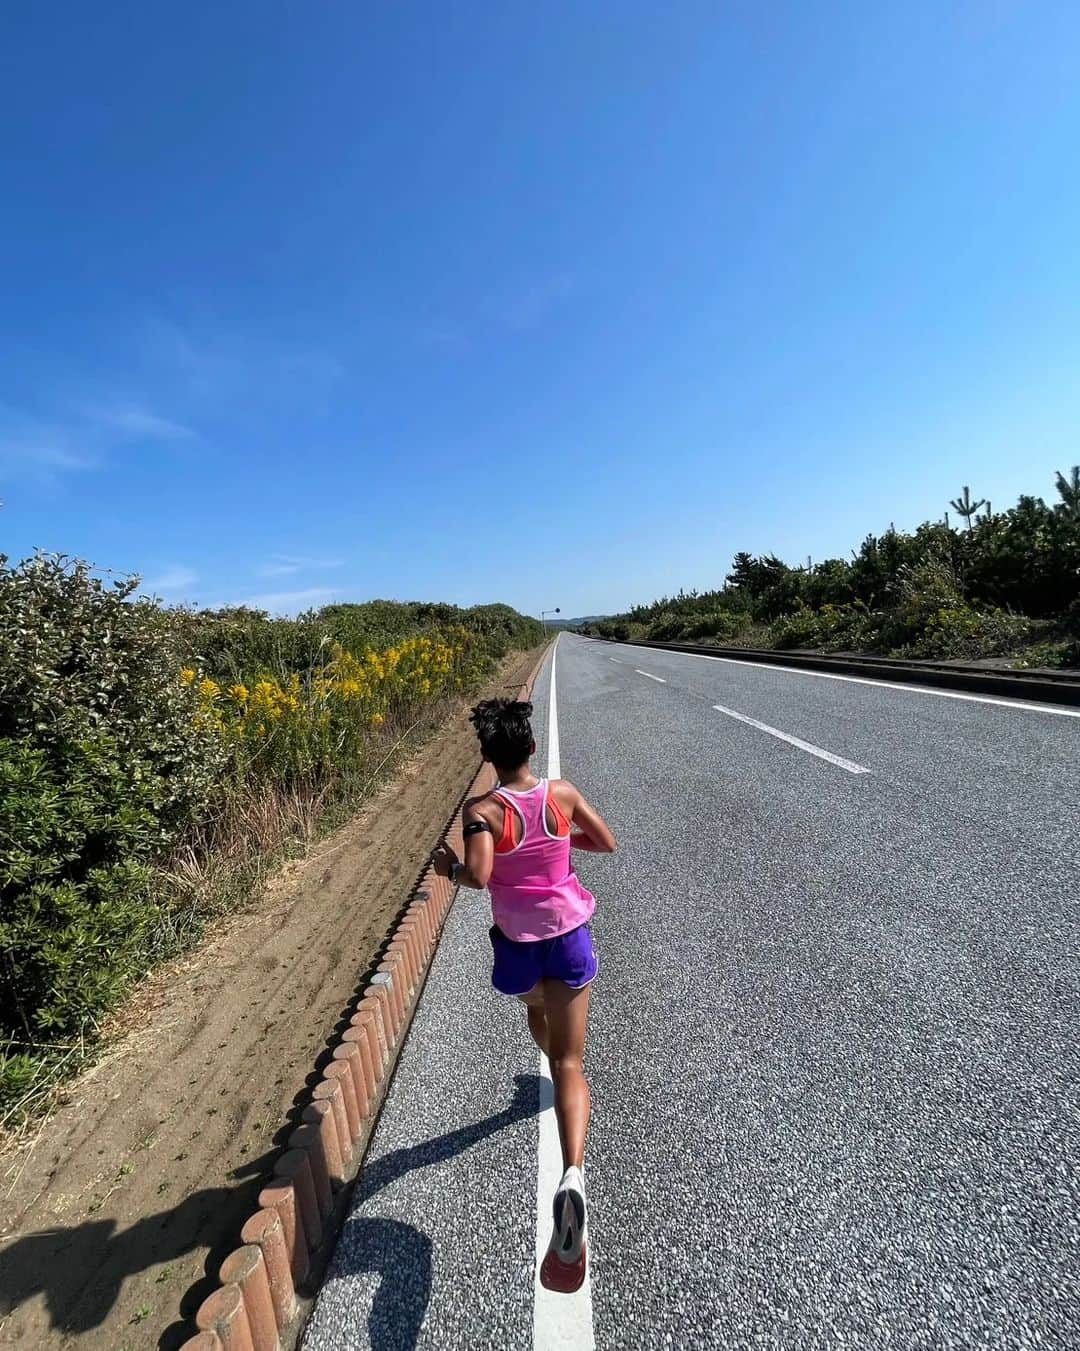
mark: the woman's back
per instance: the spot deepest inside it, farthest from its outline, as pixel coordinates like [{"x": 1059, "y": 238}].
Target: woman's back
[{"x": 535, "y": 893}]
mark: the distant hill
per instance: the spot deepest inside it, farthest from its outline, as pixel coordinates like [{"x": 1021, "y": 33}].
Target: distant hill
[{"x": 577, "y": 623}]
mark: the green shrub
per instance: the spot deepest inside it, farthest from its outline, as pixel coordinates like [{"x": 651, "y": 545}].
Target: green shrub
[
  {"x": 797, "y": 629},
  {"x": 964, "y": 632},
  {"x": 832, "y": 628},
  {"x": 239, "y": 644},
  {"x": 847, "y": 628},
  {"x": 1063, "y": 655},
  {"x": 719, "y": 625},
  {"x": 103, "y": 766},
  {"x": 124, "y": 764}
]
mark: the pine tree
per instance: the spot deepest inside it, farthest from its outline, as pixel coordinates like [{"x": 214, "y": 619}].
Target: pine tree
[
  {"x": 1069, "y": 491},
  {"x": 965, "y": 507}
]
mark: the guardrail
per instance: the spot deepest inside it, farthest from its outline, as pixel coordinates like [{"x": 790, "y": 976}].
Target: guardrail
[{"x": 1050, "y": 687}]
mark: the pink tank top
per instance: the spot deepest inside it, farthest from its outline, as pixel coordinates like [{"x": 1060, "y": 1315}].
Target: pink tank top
[{"x": 535, "y": 893}]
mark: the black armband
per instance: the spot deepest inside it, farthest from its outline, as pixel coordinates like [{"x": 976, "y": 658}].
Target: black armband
[{"x": 474, "y": 827}]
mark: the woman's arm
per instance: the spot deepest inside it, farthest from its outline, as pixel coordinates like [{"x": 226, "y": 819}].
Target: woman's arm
[
  {"x": 479, "y": 852},
  {"x": 590, "y": 831}
]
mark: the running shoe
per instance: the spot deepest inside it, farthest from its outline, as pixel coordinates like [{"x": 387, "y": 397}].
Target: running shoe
[{"x": 563, "y": 1268}]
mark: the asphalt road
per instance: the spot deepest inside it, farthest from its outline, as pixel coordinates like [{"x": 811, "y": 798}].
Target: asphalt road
[{"x": 834, "y": 1047}]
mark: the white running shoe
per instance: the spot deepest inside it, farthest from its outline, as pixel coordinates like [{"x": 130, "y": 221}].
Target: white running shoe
[{"x": 563, "y": 1269}]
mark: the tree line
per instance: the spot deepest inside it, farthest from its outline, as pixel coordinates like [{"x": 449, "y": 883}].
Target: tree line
[{"x": 1005, "y": 584}]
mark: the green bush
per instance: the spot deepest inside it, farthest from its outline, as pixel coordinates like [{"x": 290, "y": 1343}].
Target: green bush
[
  {"x": 797, "y": 629},
  {"x": 847, "y": 628},
  {"x": 103, "y": 766},
  {"x": 120, "y": 754},
  {"x": 721, "y": 626},
  {"x": 961, "y": 632},
  {"x": 832, "y": 628},
  {"x": 238, "y": 644},
  {"x": 1063, "y": 655}
]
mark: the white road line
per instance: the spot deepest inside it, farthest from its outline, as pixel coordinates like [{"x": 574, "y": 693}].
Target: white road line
[
  {"x": 560, "y": 1322},
  {"x": 659, "y": 679},
  {"x": 849, "y": 765},
  {"x": 554, "y": 770},
  {"x": 617, "y": 661},
  {"x": 888, "y": 685}
]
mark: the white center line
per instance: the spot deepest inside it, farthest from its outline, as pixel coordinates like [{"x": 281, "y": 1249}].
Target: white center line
[
  {"x": 648, "y": 674},
  {"x": 617, "y": 661},
  {"x": 888, "y": 685},
  {"x": 560, "y": 1322},
  {"x": 849, "y": 765}
]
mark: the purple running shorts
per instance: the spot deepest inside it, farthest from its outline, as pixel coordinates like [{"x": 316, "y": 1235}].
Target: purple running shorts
[{"x": 519, "y": 967}]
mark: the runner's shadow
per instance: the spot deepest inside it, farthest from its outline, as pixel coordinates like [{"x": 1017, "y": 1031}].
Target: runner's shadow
[
  {"x": 399, "y": 1253},
  {"x": 381, "y": 1172},
  {"x": 401, "y": 1256},
  {"x": 81, "y": 1270}
]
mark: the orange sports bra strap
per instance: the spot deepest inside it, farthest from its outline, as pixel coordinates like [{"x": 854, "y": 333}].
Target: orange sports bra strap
[
  {"x": 506, "y": 841},
  {"x": 562, "y": 825}
]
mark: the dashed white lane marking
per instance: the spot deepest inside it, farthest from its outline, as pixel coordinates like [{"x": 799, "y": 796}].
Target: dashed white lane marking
[
  {"x": 617, "y": 661},
  {"x": 649, "y": 676},
  {"x": 849, "y": 765},
  {"x": 891, "y": 685},
  {"x": 560, "y": 1322}
]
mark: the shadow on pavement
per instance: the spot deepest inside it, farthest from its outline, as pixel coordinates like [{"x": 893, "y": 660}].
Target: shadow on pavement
[
  {"x": 400, "y": 1253},
  {"x": 80, "y": 1270}
]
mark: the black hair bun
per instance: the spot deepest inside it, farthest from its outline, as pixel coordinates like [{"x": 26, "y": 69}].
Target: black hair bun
[{"x": 502, "y": 726}]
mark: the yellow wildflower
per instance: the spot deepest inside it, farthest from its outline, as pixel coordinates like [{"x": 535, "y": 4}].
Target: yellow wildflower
[
  {"x": 209, "y": 689},
  {"x": 187, "y": 676},
  {"x": 264, "y": 692},
  {"x": 239, "y": 693}
]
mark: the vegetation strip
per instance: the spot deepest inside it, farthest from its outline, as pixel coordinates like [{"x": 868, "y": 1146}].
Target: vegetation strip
[
  {"x": 267, "y": 1282},
  {"x": 1005, "y": 586},
  {"x": 1057, "y": 687},
  {"x": 156, "y": 765}
]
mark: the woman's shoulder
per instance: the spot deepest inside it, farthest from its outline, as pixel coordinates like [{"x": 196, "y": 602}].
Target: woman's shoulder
[{"x": 481, "y": 805}]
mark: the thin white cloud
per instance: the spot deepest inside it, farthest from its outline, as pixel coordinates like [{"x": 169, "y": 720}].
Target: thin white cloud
[
  {"x": 292, "y": 602},
  {"x": 132, "y": 420},
  {"x": 41, "y": 451},
  {"x": 173, "y": 579},
  {"x": 213, "y": 364},
  {"x": 41, "y": 455},
  {"x": 288, "y": 565}
]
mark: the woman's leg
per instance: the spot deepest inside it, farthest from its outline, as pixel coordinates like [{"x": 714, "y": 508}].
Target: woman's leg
[
  {"x": 534, "y": 1011},
  {"x": 567, "y": 1012}
]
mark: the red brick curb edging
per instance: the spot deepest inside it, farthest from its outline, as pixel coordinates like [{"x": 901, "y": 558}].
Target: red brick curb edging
[{"x": 269, "y": 1281}]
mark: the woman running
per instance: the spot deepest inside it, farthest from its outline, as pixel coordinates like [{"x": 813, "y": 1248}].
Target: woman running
[{"x": 518, "y": 839}]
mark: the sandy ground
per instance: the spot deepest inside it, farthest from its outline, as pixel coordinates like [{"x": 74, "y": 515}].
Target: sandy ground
[{"x": 128, "y": 1196}]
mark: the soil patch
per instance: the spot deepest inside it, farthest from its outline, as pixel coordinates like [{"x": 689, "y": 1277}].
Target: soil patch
[{"x": 118, "y": 1212}]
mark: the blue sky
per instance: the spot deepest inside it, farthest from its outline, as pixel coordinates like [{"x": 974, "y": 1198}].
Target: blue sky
[{"x": 556, "y": 304}]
